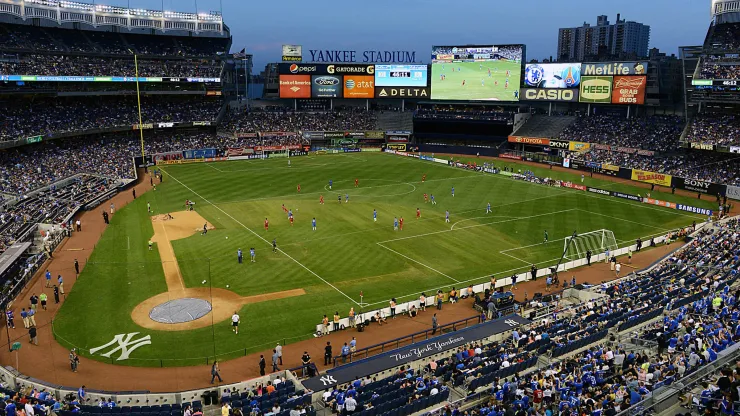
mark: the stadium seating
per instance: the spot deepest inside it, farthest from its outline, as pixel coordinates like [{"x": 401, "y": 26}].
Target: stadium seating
[
  {"x": 283, "y": 119},
  {"x": 649, "y": 133},
  {"x": 717, "y": 129}
]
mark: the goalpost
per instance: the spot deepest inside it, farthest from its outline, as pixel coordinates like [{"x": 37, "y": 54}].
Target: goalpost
[{"x": 597, "y": 241}]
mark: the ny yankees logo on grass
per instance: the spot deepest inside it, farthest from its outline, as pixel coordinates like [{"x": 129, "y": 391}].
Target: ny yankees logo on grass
[{"x": 125, "y": 343}]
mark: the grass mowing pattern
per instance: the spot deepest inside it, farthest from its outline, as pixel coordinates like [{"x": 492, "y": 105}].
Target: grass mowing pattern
[{"x": 349, "y": 250}]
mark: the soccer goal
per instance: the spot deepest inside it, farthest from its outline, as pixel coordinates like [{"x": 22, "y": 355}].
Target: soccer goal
[{"x": 597, "y": 241}]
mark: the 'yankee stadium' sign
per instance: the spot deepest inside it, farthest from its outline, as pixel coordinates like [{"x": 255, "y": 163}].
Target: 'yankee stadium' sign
[{"x": 335, "y": 55}]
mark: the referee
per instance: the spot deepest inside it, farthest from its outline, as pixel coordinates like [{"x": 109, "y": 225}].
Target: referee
[{"x": 235, "y": 322}]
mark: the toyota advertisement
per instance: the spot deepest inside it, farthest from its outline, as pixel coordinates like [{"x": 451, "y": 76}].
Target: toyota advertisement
[
  {"x": 552, "y": 75},
  {"x": 359, "y": 86},
  {"x": 295, "y": 86},
  {"x": 326, "y": 86}
]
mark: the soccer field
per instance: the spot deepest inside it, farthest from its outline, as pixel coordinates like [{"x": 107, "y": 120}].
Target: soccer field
[
  {"x": 346, "y": 254},
  {"x": 478, "y": 84}
]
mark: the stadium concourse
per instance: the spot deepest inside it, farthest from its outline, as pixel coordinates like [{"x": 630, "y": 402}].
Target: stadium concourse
[{"x": 49, "y": 361}]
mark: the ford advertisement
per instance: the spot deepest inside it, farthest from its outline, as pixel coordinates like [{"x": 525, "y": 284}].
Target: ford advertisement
[{"x": 326, "y": 86}]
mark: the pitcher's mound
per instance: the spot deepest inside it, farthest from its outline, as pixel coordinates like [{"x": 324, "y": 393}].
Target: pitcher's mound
[{"x": 177, "y": 311}]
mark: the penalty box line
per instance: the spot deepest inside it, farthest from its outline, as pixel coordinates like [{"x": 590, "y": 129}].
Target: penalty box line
[
  {"x": 263, "y": 239},
  {"x": 419, "y": 263}
]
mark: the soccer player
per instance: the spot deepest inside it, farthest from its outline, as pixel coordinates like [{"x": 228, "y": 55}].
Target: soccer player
[
  {"x": 506, "y": 84},
  {"x": 480, "y": 67},
  {"x": 424, "y": 178},
  {"x": 400, "y": 224},
  {"x": 285, "y": 209},
  {"x": 395, "y": 223},
  {"x": 339, "y": 198},
  {"x": 274, "y": 245},
  {"x": 488, "y": 208},
  {"x": 441, "y": 77},
  {"x": 489, "y": 72},
  {"x": 251, "y": 254},
  {"x": 321, "y": 199},
  {"x": 375, "y": 215},
  {"x": 357, "y": 182},
  {"x": 482, "y": 83},
  {"x": 463, "y": 83},
  {"x": 291, "y": 220},
  {"x": 547, "y": 237},
  {"x": 447, "y": 216},
  {"x": 426, "y": 198},
  {"x": 453, "y": 191},
  {"x": 267, "y": 224},
  {"x": 582, "y": 177},
  {"x": 346, "y": 198},
  {"x": 508, "y": 73},
  {"x": 313, "y": 223},
  {"x": 433, "y": 201},
  {"x": 418, "y": 213},
  {"x": 290, "y": 213},
  {"x": 299, "y": 187},
  {"x": 330, "y": 184}
]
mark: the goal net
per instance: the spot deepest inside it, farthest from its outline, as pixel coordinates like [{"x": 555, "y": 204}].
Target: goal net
[{"x": 597, "y": 241}]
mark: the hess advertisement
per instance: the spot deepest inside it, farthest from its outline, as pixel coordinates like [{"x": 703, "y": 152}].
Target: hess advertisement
[
  {"x": 295, "y": 86},
  {"x": 552, "y": 75},
  {"x": 596, "y": 90},
  {"x": 359, "y": 86},
  {"x": 326, "y": 86},
  {"x": 629, "y": 90}
]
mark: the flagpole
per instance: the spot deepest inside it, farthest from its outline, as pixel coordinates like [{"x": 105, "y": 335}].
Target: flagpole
[{"x": 246, "y": 80}]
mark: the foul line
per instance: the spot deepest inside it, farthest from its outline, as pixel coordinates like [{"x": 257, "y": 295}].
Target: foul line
[
  {"x": 420, "y": 263},
  {"x": 621, "y": 219},
  {"x": 263, "y": 239}
]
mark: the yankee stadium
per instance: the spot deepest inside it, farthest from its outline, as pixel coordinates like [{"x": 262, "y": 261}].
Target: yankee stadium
[{"x": 285, "y": 210}]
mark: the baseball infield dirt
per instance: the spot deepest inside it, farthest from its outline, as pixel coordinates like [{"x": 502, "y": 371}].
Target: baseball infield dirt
[{"x": 49, "y": 360}]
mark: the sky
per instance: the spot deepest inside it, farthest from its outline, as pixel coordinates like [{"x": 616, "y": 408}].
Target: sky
[{"x": 262, "y": 27}]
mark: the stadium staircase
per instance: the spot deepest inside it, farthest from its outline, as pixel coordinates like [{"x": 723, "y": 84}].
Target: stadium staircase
[
  {"x": 390, "y": 121},
  {"x": 540, "y": 125}
]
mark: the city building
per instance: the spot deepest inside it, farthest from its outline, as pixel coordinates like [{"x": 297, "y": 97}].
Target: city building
[{"x": 621, "y": 40}]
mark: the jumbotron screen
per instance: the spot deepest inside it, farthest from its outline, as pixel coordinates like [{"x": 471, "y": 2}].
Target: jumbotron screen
[{"x": 487, "y": 73}]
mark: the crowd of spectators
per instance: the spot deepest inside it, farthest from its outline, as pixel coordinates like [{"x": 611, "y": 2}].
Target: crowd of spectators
[
  {"x": 717, "y": 129},
  {"x": 717, "y": 67},
  {"x": 54, "y": 116},
  {"x": 725, "y": 36},
  {"x": 465, "y": 113},
  {"x": 286, "y": 120},
  {"x": 660, "y": 133},
  {"x": 31, "y": 38},
  {"x": 72, "y": 65}
]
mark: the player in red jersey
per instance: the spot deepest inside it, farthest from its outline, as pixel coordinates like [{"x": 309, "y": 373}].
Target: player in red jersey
[
  {"x": 321, "y": 200},
  {"x": 291, "y": 220},
  {"x": 463, "y": 84},
  {"x": 424, "y": 177},
  {"x": 357, "y": 182},
  {"x": 418, "y": 213},
  {"x": 400, "y": 223},
  {"x": 285, "y": 209},
  {"x": 267, "y": 224},
  {"x": 299, "y": 187},
  {"x": 426, "y": 198}
]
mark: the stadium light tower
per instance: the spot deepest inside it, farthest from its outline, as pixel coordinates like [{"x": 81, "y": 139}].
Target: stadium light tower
[{"x": 138, "y": 101}]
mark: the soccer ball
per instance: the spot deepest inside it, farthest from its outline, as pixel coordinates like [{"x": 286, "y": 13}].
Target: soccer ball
[
  {"x": 227, "y": 286},
  {"x": 203, "y": 282},
  {"x": 227, "y": 238}
]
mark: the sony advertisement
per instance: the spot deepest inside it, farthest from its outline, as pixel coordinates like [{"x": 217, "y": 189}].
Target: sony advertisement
[{"x": 552, "y": 75}]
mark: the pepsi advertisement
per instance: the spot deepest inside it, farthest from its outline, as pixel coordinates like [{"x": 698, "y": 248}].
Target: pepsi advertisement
[
  {"x": 400, "y": 75},
  {"x": 326, "y": 86},
  {"x": 553, "y": 75}
]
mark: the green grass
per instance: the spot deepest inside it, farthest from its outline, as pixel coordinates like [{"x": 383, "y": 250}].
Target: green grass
[
  {"x": 478, "y": 85},
  {"x": 348, "y": 253}
]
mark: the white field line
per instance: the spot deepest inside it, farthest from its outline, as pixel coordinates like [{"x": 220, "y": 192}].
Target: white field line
[
  {"x": 477, "y": 218},
  {"x": 620, "y": 219},
  {"x": 419, "y": 263},
  {"x": 266, "y": 242}
]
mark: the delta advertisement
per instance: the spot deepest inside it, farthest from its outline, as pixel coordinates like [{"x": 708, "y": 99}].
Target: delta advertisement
[
  {"x": 651, "y": 177},
  {"x": 295, "y": 86}
]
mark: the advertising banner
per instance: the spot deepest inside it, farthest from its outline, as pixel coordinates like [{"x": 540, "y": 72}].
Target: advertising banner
[
  {"x": 359, "y": 86},
  {"x": 559, "y": 144},
  {"x": 246, "y": 135},
  {"x": 659, "y": 203},
  {"x": 326, "y": 69},
  {"x": 239, "y": 151},
  {"x": 626, "y": 196},
  {"x": 552, "y": 75},
  {"x": 542, "y": 141},
  {"x": 199, "y": 153},
  {"x": 629, "y": 90},
  {"x": 313, "y": 135},
  {"x": 702, "y": 146},
  {"x": 397, "y": 139},
  {"x": 295, "y": 86},
  {"x": 401, "y": 147},
  {"x": 696, "y": 185},
  {"x": 615, "y": 68},
  {"x": 401, "y": 75},
  {"x": 276, "y": 133},
  {"x": 292, "y": 53},
  {"x": 545, "y": 94},
  {"x": 402, "y": 92},
  {"x": 596, "y": 90},
  {"x": 326, "y": 86},
  {"x": 202, "y": 123},
  {"x": 694, "y": 210},
  {"x": 599, "y": 191},
  {"x": 734, "y": 149},
  {"x": 578, "y": 146},
  {"x": 375, "y": 134},
  {"x": 144, "y": 126},
  {"x": 509, "y": 156},
  {"x": 733, "y": 192},
  {"x": 606, "y": 166},
  {"x": 651, "y": 177},
  {"x": 276, "y": 148},
  {"x": 572, "y": 185}
]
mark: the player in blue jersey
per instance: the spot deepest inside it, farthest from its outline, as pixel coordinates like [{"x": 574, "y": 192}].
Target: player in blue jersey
[
  {"x": 482, "y": 83},
  {"x": 290, "y": 213},
  {"x": 375, "y": 215},
  {"x": 313, "y": 223},
  {"x": 447, "y": 216},
  {"x": 330, "y": 184},
  {"x": 489, "y": 72},
  {"x": 395, "y": 224},
  {"x": 488, "y": 208},
  {"x": 453, "y": 191},
  {"x": 346, "y": 198},
  {"x": 433, "y": 201}
]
